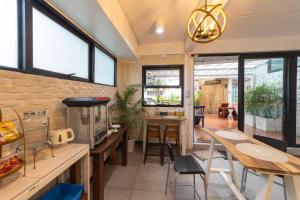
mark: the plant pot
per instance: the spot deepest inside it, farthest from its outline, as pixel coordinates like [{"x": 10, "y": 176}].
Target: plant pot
[
  {"x": 248, "y": 119},
  {"x": 265, "y": 124},
  {"x": 269, "y": 124},
  {"x": 130, "y": 145}
]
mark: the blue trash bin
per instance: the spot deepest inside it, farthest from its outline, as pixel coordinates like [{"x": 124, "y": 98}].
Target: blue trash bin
[{"x": 64, "y": 192}]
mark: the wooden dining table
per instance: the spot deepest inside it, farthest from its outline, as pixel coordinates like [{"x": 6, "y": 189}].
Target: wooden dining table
[
  {"x": 268, "y": 169},
  {"x": 166, "y": 119}
]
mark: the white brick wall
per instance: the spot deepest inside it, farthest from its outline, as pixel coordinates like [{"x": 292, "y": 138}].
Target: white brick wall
[{"x": 26, "y": 92}]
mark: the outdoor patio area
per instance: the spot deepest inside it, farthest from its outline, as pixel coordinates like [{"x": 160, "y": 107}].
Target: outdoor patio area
[{"x": 213, "y": 121}]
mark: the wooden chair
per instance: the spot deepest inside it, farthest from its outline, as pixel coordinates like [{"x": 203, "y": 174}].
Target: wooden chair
[
  {"x": 171, "y": 133},
  {"x": 153, "y": 135},
  {"x": 223, "y": 112},
  {"x": 199, "y": 115}
]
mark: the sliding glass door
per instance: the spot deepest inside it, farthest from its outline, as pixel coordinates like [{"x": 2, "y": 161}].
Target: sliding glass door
[
  {"x": 264, "y": 93},
  {"x": 215, "y": 95},
  {"x": 263, "y": 96},
  {"x": 298, "y": 103}
]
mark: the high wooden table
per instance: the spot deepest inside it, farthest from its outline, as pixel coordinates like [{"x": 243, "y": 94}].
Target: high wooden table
[
  {"x": 290, "y": 169},
  {"x": 98, "y": 160},
  {"x": 18, "y": 187},
  {"x": 164, "y": 119}
]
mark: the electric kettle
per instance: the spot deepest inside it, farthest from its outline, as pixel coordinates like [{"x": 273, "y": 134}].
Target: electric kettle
[{"x": 61, "y": 137}]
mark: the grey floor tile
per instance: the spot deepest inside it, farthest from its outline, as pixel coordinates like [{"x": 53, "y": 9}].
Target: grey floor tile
[
  {"x": 151, "y": 177},
  {"x": 147, "y": 195},
  {"x": 135, "y": 158},
  {"x": 149, "y": 185},
  {"x": 121, "y": 177},
  {"x": 142, "y": 182},
  {"x": 117, "y": 194}
]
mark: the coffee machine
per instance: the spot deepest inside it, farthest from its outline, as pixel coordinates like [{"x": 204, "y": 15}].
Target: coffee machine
[{"x": 87, "y": 116}]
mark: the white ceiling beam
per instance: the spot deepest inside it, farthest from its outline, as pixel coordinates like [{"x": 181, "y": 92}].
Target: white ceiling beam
[
  {"x": 245, "y": 45},
  {"x": 170, "y": 48},
  {"x": 115, "y": 13},
  {"x": 104, "y": 21}
]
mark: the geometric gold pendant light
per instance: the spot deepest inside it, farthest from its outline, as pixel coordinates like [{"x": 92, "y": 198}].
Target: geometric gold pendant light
[{"x": 206, "y": 23}]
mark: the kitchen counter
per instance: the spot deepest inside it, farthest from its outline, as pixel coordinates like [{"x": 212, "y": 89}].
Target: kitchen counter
[{"x": 16, "y": 186}]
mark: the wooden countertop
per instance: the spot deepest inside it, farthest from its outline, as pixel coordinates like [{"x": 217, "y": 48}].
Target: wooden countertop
[
  {"x": 16, "y": 186},
  {"x": 154, "y": 117},
  {"x": 292, "y": 167}
]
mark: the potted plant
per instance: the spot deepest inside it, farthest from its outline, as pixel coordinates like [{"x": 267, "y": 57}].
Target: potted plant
[
  {"x": 197, "y": 97},
  {"x": 263, "y": 107},
  {"x": 127, "y": 110}
]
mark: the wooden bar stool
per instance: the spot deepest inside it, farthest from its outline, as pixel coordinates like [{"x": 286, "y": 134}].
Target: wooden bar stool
[
  {"x": 153, "y": 134},
  {"x": 171, "y": 134}
]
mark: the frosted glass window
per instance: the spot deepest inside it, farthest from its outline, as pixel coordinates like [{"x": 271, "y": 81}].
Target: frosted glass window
[
  {"x": 104, "y": 68},
  {"x": 57, "y": 49},
  {"x": 9, "y": 33}
]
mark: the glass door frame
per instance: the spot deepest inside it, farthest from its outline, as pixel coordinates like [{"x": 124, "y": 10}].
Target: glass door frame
[
  {"x": 242, "y": 60},
  {"x": 289, "y": 89}
]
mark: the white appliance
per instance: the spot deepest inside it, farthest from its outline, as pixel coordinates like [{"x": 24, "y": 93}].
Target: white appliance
[{"x": 61, "y": 137}]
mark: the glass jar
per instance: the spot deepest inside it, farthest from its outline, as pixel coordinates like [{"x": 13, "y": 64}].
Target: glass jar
[{"x": 36, "y": 126}]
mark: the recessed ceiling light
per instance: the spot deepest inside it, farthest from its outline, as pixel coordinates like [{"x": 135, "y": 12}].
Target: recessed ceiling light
[
  {"x": 159, "y": 27},
  {"x": 159, "y": 30}
]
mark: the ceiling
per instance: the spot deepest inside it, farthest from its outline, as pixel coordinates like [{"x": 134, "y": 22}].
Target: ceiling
[
  {"x": 246, "y": 18},
  {"x": 142, "y": 15}
]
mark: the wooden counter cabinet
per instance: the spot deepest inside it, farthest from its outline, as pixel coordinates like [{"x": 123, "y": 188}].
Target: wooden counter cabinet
[{"x": 98, "y": 160}]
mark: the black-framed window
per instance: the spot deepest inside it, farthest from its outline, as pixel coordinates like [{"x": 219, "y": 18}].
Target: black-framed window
[
  {"x": 56, "y": 49},
  {"x": 40, "y": 40},
  {"x": 163, "y": 85},
  {"x": 105, "y": 68},
  {"x": 9, "y": 34},
  {"x": 275, "y": 65}
]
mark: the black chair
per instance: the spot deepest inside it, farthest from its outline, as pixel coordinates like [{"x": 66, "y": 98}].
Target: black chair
[
  {"x": 184, "y": 165},
  {"x": 199, "y": 115},
  {"x": 171, "y": 133},
  {"x": 277, "y": 144}
]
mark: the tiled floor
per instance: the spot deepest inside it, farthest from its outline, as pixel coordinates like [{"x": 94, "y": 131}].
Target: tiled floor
[
  {"x": 146, "y": 182},
  {"x": 213, "y": 121}
]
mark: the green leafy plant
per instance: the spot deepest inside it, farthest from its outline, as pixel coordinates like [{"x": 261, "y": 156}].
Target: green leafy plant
[
  {"x": 174, "y": 98},
  {"x": 264, "y": 101},
  {"x": 158, "y": 99},
  {"x": 197, "y": 97},
  {"x": 127, "y": 109}
]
